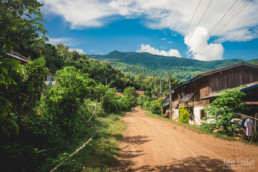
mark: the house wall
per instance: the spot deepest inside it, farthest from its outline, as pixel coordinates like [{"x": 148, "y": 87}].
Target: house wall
[
  {"x": 50, "y": 80},
  {"x": 175, "y": 114},
  {"x": 50, "y": 77},
  {"x": 213, "y": 83},
  {"x": 232, "y": 78},
  {"x": 197, "y": 114}
]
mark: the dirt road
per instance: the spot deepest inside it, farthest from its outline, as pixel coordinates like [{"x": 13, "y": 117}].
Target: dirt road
[{"x": 154, "y": 145}]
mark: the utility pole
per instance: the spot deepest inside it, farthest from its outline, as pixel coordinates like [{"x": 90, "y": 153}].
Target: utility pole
[
  {"x": 170, "y": 96},
  {"x": 160, "y": 86}
]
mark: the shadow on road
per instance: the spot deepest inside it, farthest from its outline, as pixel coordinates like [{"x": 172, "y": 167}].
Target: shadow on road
[
  {"x": 201, "y": 163},
  {"x": 138, "y": 140}
]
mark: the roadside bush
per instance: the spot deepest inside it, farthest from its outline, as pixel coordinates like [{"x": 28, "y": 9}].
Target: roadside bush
[
  {"x": 130, "y": 94},
  {"x": 146, "y": 105},
  {"x": 222, "y": 111},
  {"x": 184, "y": 115},
  {"x": 125, "y": 103},
  {"x": 61, "y": 102},
  {"x": 156, "y": 106},
  {"x": 142, "y": 98},
  {"x": 110, "y": 102}
]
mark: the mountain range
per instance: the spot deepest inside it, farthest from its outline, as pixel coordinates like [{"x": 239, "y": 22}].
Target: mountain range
[{"x": 156, "y": 65}]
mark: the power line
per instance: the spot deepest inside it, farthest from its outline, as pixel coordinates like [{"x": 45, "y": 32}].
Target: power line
[
  {"x": 232, "y": 12},
  {"x": 230, "y": 19},
  {"x": 222, "y": 18},
  {"x": 201, "y": 18},
  {"x": 193, "y": 16}
]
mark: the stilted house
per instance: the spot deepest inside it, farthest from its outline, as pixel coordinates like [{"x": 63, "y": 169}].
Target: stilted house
[{"x": 201, "y": 90}]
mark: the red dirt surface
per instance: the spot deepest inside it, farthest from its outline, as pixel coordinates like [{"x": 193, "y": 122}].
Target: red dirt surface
[{"x": 154, "y": 145}]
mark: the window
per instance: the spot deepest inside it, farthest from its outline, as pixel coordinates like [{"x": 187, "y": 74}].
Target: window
[{"x": 203, "y": 114}]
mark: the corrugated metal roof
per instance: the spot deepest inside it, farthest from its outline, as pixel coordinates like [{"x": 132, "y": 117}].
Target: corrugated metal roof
[
  {"x": 17, "y": 56},
  {"x": 139, "y": 92}
]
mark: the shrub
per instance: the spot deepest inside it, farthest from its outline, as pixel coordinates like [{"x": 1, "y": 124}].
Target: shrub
[
  {"x": 184, "y": 115},
  {"x": 142, "y": 98},
  {"x": 62, "y": 101},
  {"x": 222, "y": 111},
  {"x": 110, "y": 102},
  {"x": 125, "y": 103},
  {"x": 156, "y": 106},
  {"x": 131, "y": 94},
  {"x": 146, "y": 105}
]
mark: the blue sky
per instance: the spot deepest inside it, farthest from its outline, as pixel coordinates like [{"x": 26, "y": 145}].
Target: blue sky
[{"x": 99, "y": 27}]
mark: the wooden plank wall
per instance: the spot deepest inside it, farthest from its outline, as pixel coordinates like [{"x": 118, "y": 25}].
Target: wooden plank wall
[{"x": 215, "y": 82}]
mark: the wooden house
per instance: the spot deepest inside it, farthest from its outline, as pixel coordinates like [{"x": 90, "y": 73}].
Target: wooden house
[
  {"x": 201, "y": 90},
  {"x": 50, "y": 77}
]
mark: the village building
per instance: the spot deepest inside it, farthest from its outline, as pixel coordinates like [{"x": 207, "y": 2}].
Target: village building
[
  {"x": 201, "y": 90},
  {"x": 50, "y": 77},
  {"x": 139, "y": 92}
]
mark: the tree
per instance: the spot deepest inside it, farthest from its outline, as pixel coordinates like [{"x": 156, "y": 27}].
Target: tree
[
  {"x": 20, "y": 24},
  {"x": 21, "y": 97},
  {"x": 138, "y": 81},
  {"x": 61, "y": 102},
  {"x": 156, "y": 106},
  {"x": 222, "y": 111},
  {"x": 131, "y": 94}
]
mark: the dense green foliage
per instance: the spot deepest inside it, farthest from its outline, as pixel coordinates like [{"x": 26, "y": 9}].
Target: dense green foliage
[
  {"x": 156, "y": 106},
  {"x": 222, "y": 111},
  {"x": 142, "y": 99},
  {"x": 40, "y": 126},
  {"x": 184, "y": 115},
  {"x": 16, "y": 33},
  {"x": 153, "y": 65},
  {"x": 20, "y": 24},
  {"x": 23, "y": 94},
  {"x": 130, "y": 96}
]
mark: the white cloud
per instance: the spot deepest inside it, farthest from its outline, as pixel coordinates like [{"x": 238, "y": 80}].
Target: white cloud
[
  {"x": 55, "y": 41},
  {"x": 80, "y": 51},
  {"x": 203, "y": 51},
  {"x": 81, "y": 13},
  {"x": 147, "y": 48},
  {"x": 172, "y": 14},
  {"x": 239, "y": 36}
]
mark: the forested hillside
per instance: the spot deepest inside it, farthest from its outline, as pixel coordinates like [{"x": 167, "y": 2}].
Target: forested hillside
[
  {"x": 253, "y": 61},
  {"x": 152, "y": 65}
]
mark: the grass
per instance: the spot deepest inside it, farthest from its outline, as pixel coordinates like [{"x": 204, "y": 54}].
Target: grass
[
  {"x": 101, "y": 153},
  {"x": 199, "y": 129}
]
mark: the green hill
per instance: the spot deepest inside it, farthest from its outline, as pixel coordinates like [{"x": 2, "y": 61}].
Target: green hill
[{"x": 155, "y": 65}]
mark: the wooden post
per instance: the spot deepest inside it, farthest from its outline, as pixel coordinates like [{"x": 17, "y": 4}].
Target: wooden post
[
  {"x": 254, "y": 127},
  {"x": 160, "y": 86},
  {"x": 170, "y": 96}
]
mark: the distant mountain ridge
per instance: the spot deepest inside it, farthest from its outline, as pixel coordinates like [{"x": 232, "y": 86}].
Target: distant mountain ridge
[{"x": 155, "y": 65}]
